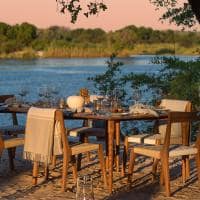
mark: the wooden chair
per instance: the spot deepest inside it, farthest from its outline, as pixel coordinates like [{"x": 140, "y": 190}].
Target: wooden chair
[
  {"x": 90, "y": 128},
  {"x": 166, "y": 151},
  {"x": 69, "y": 153},
  {"x": 10, "y": 144},
  {"x": 8, "y": 135},
  {"x": 158, "y": 135}
]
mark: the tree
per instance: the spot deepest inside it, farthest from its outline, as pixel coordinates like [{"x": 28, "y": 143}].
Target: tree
[
  {"x": 188, "y": 14},
  {"x": 111, "y": 80},
  {"x": 4, "y": 28},
  {"x": 26, "y": 33}
]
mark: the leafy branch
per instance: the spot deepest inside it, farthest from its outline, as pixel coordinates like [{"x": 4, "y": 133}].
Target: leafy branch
[
  {"x": 74, "y": 7},
  {"x": 180, "y": 15}
]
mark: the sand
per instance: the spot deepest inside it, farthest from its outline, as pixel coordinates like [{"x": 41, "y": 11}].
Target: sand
[{"x": 17, "y": 184}]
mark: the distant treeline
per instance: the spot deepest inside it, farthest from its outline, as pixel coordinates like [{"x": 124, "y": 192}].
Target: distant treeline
[{"x": 26, "y": 40}]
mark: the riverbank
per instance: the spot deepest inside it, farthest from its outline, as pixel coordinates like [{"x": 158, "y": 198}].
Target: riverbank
[{"x": 80, "y": 52}]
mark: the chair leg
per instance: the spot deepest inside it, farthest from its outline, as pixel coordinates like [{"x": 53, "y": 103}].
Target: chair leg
[
  {"x": 54, "y": 161},
  {"x": 35, "y": 173},
  {"x": 165, "y": 169},
  {"x": 187, "y": 167},
  {"x": 131, "y": 165},
  {"x": 74, "y": 168},
  {"x": 183, "y": 169},
  {"x": 64, "y": 172},
  {"x": 79, "y": 156},
  {"x": 86, "y": 140},
  {"x": 11, "y": 162},
  {"x": 117, "y": 145},
  {"x": 198, "y": 166},
  {"x": 155, "y": 167},
  {"x": 102, "y": 164},
  {"x": 161, "y": 177},
  {"x": 125, "y": 154},
  {"x": 46, "y": 172}
]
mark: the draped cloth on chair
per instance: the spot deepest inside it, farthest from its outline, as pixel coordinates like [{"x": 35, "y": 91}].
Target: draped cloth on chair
[{"x": 42, "y": 135}]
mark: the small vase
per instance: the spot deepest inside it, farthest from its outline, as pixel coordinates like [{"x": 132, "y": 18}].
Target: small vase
[{"x": 75, "y": 102}]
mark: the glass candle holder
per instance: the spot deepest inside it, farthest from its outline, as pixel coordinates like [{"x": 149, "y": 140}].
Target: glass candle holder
[{"x": 84, "y": 189}]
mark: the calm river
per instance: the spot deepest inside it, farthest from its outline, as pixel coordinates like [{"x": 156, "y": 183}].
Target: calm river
[{"x": 67, "y": 76}]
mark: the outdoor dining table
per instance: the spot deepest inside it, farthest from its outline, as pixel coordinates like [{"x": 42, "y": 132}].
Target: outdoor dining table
[{"x": 113, "y": 129}]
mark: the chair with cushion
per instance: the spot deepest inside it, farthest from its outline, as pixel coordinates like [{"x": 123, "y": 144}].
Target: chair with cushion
[
  {"x": 10, "y": 143},
  {"x": 167, "y": 150},
  {"x": 9, "y": 133},
  {"x": 90, "y": 128},
  {"x": 46, "y": 149},
  {"x": 159, "y": 129}
]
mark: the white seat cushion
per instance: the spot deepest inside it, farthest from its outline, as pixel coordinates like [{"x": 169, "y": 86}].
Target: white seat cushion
[
  {"x": 152, "y": 139},
  {"x": 137, "y": 138},
  {"x": 182, "y": 150},
  {"x": 75, "y": 132},
  {"x": 155, "y": 150},
  {"x": 84, "y": 147}
]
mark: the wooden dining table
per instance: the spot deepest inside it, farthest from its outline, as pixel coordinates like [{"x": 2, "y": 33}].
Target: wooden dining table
[{"x": 112, "y": 132}]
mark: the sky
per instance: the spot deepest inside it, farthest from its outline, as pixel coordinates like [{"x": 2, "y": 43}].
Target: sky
[{"x": 45, "y": 13}]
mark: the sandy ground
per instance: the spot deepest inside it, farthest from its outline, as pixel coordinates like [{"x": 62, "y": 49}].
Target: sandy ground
[{"x": 17, "y": 184}]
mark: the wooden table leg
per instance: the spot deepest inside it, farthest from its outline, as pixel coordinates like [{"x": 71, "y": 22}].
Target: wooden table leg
[
  {"x": 117, "y": 131},
  {"x": 111, "y": 128},
  {"x": 14, "y": 118}
]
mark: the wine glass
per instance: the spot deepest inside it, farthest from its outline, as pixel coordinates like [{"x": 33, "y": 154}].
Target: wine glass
[
  {"x": 22, "y": 93},
  {"x": 136, "y": 95},
  {"x": 84, "y": 190}
]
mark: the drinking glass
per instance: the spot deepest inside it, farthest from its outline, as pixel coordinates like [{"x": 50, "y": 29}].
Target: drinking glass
[
  {"x": 84, "y": 189},
  {"x": 22, "y": 93},
  {"x": 137, "y": 95}
]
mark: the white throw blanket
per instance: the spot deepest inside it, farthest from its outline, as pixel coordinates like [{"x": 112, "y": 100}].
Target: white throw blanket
[{"x": 42, "y": 135}]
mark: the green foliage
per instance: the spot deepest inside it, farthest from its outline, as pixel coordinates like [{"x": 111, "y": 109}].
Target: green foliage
[
  {"x": 177, "y": 79},
  {"x": 96, "y": 42},
  {"x": 180, "y": 15},
  {"x": 74, "y": 7},
  {"x": 165, "y": 51},
  {"x": 10, "y": 46},
  {"x": 4, "y": 28},
  {"x": 185, "y": 15},
  {"x": 26, "y": 33},
  {"x": 110, "y": 80}
]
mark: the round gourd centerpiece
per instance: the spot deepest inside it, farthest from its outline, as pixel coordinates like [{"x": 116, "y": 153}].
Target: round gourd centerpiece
[{"x": 75, "y": 102}]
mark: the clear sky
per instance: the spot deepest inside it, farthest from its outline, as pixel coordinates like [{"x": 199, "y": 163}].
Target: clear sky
[{"x": 120, "y": 13}]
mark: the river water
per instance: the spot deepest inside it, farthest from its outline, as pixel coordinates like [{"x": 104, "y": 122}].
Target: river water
[{"x": 66, "y": 76}]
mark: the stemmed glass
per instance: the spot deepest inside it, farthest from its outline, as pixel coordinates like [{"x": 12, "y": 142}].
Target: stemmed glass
[
  {"x": 22, "y": 93},
  {"x": 84, "y": 189},
  {"x": 116, "y": 103},
  {"x": 136, "y": 95}
]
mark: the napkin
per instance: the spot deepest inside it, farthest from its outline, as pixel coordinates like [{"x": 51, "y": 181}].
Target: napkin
[{"x": 142, "y": 109}]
